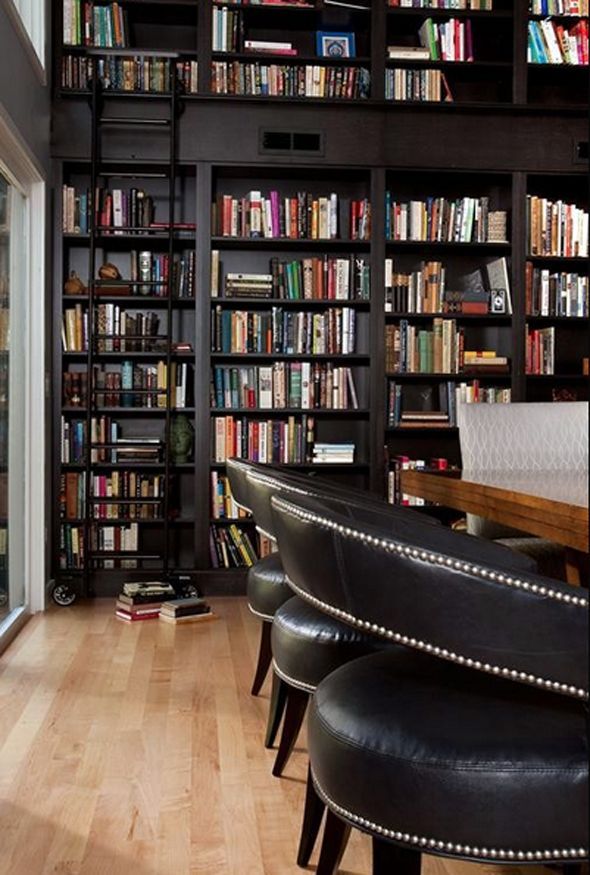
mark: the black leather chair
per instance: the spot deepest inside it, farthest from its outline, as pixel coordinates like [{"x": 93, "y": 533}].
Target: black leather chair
[
  {"x": 306, "y": 644},
  {"x": 267, "y": 588},
  {"x": 468, "y": 737}
]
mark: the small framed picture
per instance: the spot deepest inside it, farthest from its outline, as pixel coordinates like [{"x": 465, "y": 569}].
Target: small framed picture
[
  {"x": 335, "y": 45},
  {"x": 498, "y": 301}
]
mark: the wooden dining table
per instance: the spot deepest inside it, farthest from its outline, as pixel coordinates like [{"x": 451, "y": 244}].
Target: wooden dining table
[{"x": 550, "y": 504}]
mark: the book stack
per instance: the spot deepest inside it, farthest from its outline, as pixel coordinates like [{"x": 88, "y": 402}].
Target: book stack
[
  {"x": 553, "y": 43},
  {"x": 136, "y": 73},
  {"x": 71, "y": 547},
  {"x": 474, "y": 393},
  {"x": 138, "y": 449},
  {"x": 333, "y": 454},
  {"x": 540, "y": 350},
  {"x": 403, "y": 83},
  {"x": 450, "y": 40},
  {"x": 73, "y": 441},
  {"x": 142, "y": 601},
  {"x": 437, "y": 219},
  {"x": 223, "y": 504},
  {"x": 248, "y": 285},
  {"x": 136, "y": 385},
  {"x": 75, "y": 388},
  {"x": 191, "y": 610},
  {"x": 116, "y": 329},
  {"x": 485, "y": 361},
  {"x": 125, "y": 210},
  {"x": 104, "y": 26},
  {"x": 75, "y": 210},
  {"x": 282, "y": 80},
  {"x": 556, "y": 229},
  {"x": 413, "y": 350},
  {"x": 225, "y": 29},
  {"x": 74, "y": 329},
  {"x": 448, "y": 4},
  {"x": 559, "y": 7}
]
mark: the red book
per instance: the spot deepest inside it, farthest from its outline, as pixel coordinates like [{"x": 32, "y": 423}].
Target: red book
[{"x": 135, "y": 617}]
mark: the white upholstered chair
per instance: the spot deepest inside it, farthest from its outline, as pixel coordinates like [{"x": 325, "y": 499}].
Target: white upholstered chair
[{"x": 523, "y": 437}]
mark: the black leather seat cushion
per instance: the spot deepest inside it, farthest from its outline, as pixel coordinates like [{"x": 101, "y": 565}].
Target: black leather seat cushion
[
  {"x": 267, "y": 586},
  {"x": 432, "y": 750},
  {"x": 307, "y": 644}
]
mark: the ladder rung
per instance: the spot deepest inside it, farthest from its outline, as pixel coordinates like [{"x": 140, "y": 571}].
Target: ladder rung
[{"x": 117, "y": 120}]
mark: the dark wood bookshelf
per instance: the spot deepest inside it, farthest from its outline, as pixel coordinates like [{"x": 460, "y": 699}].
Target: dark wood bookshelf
[{"x": 521, "y": 135}]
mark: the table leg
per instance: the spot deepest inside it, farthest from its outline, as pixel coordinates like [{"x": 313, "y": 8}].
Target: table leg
[{"x": 577, "y": 567}]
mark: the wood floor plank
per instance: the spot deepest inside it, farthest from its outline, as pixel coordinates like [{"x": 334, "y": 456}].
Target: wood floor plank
[{"x": 138, "y": 750}]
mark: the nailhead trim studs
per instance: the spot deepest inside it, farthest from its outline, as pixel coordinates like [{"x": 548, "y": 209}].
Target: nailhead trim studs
[
  {"x": 432, "y": 846},
  {"x": 433, "y": 558}
]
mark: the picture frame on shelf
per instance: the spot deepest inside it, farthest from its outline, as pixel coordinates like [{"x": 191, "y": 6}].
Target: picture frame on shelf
[{"x": 335, "y": 45}]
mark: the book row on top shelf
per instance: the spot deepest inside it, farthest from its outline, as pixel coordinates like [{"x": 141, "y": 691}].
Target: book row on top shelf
[{"x": 440, "y": 52}]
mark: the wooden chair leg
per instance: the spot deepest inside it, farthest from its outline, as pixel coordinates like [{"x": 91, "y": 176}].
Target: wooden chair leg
[
  {"x": 294, "y": 713},
  {"x": 388, "y": 858},
  {"x": 312, "y": 819},
  {"x": 278, "y": 700},
  {"x": 334, "y": 843},
  {"x": 264, "y": 657}
]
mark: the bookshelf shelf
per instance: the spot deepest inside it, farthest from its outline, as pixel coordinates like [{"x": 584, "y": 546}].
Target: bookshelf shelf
[
  {"x": 270, "y": 58},
  {"x": 485, "y": 318},
  {"x": 290, "y": 411},
  {"x": 399, "y": 12},
  {"x": 288, "y": 243},
  {"x": 289, "y": 303}
]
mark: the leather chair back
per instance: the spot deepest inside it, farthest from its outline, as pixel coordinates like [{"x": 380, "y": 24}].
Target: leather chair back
[
  {"x": 434, "y": 590},
  {"x": 355, "y": 504}
]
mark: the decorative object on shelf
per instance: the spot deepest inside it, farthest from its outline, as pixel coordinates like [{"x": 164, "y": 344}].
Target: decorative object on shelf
[
  {"x": 497, "y": 226},
  {"x": 108, "y": 271},
  {"x": 335, "y": 45},
  {"x": 498, "y": 301},
  {"x": 181, "y": 440},
  {"x": 74, "y": 285}
]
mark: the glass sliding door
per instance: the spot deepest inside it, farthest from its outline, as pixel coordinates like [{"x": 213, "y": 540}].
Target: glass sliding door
[{"x": 13, "y": 382}]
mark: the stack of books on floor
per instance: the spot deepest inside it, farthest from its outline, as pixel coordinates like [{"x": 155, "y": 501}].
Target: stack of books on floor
[
  {"x": 142, "y": 601},
  {"x": 189, "y": 610},
  {"x": 330, "y": 454}
]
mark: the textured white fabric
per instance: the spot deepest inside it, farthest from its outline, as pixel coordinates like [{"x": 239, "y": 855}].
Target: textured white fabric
[
  {"x": 525, "y": 437},
  {"x": 521, "y": 437}
]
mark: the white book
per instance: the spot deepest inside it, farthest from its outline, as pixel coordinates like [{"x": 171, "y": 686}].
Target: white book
[
  {"x": 306, "y": 385},
  {"x": 343, "y": 279},
  {"x": 267, "y": 44},
  {"x": 263, "y": 448},
  {"x": 333, "y": 216},
  {"x": 265, "y": 393},
  {"x": 555, "y": 55}
]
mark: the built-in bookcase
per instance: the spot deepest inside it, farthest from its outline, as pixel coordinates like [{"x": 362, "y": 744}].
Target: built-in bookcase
[
  {"x": 556, "y": 288},
  {"x": 313, "y": 239}
]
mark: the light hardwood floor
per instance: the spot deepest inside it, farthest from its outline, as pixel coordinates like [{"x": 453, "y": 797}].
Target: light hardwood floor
[{"x": 137, "y": 750}]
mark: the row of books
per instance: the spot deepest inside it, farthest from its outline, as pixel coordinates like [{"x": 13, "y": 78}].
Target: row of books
[
  {"x": 135, "y": 490},
  {"x": 554, "y": 293},
  {"x": 87, "y": 24},
  {"x": 301, "y": 385},
  {"x": 285, "y": 332},
  {"x": 231, "y": 547},
  {"x": 425, "y": 291},
  {"x": 550, "y": 42},
  {"x": 559, "y": 7},
  {"x": 441, "y": 4},
  {"x": 439, "y": 220},
  {"x": 540, "y": 350},
  {"x": 400, "y": 463},
  {"x": 107, "y": 443},
  {"x": 71, "y": 547},
  {"x": 119, "y": 330},
  {"x": 403, "y": 83},
  {"x": 555, "y": 228},
  {"x": 302, "y": 216},
  {"x": 223, "y": 504},
  {"x": 136, "y": 73},
  {"x": 320, "y": 278},
  {"x": 74, "y": 329},
  {"x": 72, "y": 496},
  {"x": 281, "y": 80},
  {"x": 130, "y": 385},
  {"x": 277, "y": 441},
  {"x": 115, "y": 539},
  {"x": 226, "y": 30},
  {"x": 148, "y": 277},
  {"x": 413, "y": 350},
  {"x": 450, "y": 40},
  {"x": 436, "y": 407},
  {"x": 113, "y": 209}
]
